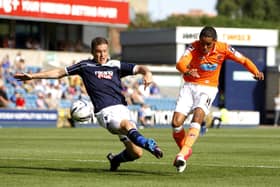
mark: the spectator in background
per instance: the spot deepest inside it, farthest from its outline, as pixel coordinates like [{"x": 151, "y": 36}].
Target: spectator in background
[
  {"x": 39, "y": 85},
  {"x": 4, "y": 101},
  {"x": 50, "y": 102},
  {"x": 13, "y": 98},
  {"x": 12, "y": 41},
  {"x": 154, "y": 90},
  {"x": 144, "y": 92},
  {"x": 277, "y": 109},
  {"x": 54, "y": 89},
  {"x": 36, "y": 44},
  {"x": 18, "y": 57},
  {"x": 19, "y": 65},
  {"x": 63, "y": 85},
  {"x": 145, "y": 116},
  {"x": 9, "y": 41},
  {"x": 40, "y": 102},
  {"x": 6, "y": 63},
  {"x": 131, "y": 93},
  {"x": 28, "y": 86},
  {"x": 136, "y": 95},
  {"x": 5, "y": 42},
  {"x": 20, "y": 101},
  {"x": 28, "y": 43},
  {"x": 79, "y": 46}
]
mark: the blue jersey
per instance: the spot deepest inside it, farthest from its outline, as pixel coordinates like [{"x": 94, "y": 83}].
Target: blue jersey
[{"x": 102, "y": 81}]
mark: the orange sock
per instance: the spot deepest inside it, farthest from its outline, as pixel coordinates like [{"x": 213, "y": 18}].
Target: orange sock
[
  {"x": 190, "y": 139},
  {"x": 179, "y": 137}
]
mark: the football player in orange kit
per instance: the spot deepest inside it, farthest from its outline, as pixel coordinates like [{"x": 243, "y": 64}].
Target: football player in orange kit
[{"x": 201, "y": 65}]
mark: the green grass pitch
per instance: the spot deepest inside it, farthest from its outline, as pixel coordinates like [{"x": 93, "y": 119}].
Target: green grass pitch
[{"x": 52, "y": 157}]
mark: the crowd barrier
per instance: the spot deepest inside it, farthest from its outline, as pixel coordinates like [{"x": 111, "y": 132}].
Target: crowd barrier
[
  {"x": 28, "y": 118},
  {"x": 59, "y": 118}
]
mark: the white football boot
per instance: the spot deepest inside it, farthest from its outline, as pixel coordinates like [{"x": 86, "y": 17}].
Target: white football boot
[{"x": 180, "y": 163}]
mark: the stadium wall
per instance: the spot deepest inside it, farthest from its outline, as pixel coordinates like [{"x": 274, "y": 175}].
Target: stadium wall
[{"x": 59, "y": 118}]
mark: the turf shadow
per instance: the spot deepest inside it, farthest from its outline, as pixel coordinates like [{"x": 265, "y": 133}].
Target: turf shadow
[{"x": 86, "y": 170}]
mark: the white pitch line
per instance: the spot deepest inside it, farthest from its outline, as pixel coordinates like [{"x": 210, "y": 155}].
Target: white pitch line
[{"x": 154, "y": 163}]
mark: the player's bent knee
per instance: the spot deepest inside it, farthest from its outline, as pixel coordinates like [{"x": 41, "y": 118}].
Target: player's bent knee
[
  {"x": 126, "y": 125},
  {"x": 176, "y": 122},
  {"x": 178, "y": 119}
]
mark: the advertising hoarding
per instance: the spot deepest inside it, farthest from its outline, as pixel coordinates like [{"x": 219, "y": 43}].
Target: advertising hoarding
[{"x": 74, "y": 11}]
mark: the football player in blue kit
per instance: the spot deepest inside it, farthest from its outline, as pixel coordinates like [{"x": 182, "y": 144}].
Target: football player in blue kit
[{"x": 102, "y": 80}]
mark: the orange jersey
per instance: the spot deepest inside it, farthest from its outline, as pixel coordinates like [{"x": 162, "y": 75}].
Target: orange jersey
[{"x": 209, "y": 65}]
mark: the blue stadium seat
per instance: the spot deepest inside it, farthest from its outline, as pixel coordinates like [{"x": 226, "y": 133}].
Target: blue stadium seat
[
  {"x": 10, "y": 90},
  {"x": 161, "y": 103},
  {"x": 30, "y": 101},
  {"x": 33, "y": 69},
  {"x": 134, "y": 107},
  {"x": 65, "y": 103}
]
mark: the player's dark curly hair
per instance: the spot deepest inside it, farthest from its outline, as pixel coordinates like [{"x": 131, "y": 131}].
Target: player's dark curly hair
[
  {"x": 208, "y": 32},
  {"x": 97, "y": 41}
]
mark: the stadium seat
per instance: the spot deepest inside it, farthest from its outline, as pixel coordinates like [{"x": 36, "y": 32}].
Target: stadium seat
[
  {"x": 65, "y": 103},
  {"x": 134, "y": 107},
  {"x": 161, "y": 103},
  {"x": 30, "y": 101},
  {"x": 33, "y": 69}
]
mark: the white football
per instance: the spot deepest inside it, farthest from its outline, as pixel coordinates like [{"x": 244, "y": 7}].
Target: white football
[{"x": 82, "y": 110}]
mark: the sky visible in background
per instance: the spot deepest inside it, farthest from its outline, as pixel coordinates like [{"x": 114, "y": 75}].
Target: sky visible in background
[{"x": 160, "y": 9}]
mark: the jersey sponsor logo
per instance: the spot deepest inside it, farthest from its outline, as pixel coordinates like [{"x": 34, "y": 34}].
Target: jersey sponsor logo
[
  {"x": 104, "y": 74},
  {"x": 208, "y": 67}
]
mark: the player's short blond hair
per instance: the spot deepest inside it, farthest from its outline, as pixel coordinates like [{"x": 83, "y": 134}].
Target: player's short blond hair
[{"x": 98, "y": 41}]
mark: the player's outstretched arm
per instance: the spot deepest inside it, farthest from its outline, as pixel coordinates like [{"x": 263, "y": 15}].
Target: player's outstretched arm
[
  {"x": 49, "y": 74},
  {"x": 250, "y": 66}
]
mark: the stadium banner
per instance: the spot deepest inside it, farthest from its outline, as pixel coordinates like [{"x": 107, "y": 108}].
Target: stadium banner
[
  {"x": 79, "y": 11},
  {"x": 28, "y": 118},
  {"x": 58, "y": 118},
  {"x": 232, "y": 36},
  {"x": 234, "y": 118}
]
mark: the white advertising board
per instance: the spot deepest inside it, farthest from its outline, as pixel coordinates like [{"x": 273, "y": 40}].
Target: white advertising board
[{"x": 232, "y": 36}]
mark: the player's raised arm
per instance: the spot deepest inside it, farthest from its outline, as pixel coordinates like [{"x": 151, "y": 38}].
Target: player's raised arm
[
  {"x": 49, "y": 74},
  {"x": 250, "y": 66},
  {"x": 246, "y": 62}
]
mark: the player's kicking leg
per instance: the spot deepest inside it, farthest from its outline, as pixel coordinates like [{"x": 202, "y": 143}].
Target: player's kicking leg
[
  {"x": 146, "y": 143},
  {"x": 129, "y": 154},
  {"x": 180, "y": 161},
  {"x": 133, "y": 151}
]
